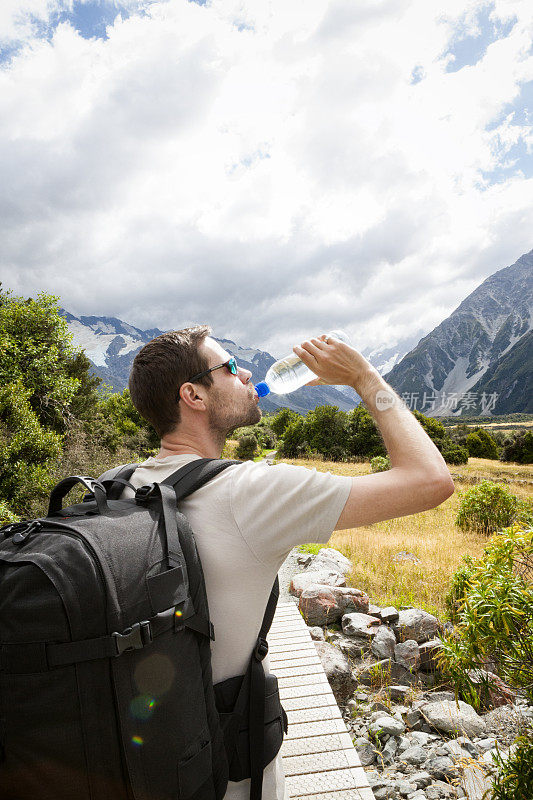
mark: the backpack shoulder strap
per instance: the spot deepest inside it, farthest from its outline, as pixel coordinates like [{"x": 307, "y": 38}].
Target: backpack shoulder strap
[
  {"x": 193, "y": 476},
  {"x": 118, "y": 474}
]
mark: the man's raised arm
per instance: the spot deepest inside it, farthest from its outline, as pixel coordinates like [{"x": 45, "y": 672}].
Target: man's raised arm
[{"x": 419, "y": 478}]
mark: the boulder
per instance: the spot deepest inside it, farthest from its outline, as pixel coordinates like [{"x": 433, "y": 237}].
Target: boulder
[
  {"x": 338, "y": 671},
  {"x": 325, "y": 577},
  {"x": 454, "y": 718},
  {"x": 407, "y": 654},
  {"x": 318, "y": 605},
  {"x": 415, "y": 755},
  {"x": 362, "y": 625},
  {"x": 428, "y": 654},
  {"x": 366, "y": 751},
  {"x": 386, "y": 725},
  {"x": 350, "y": 599},
  {"x": 414, "y": 623},
  {"x": 329, "y": 558},
  {"x": 389, "y": 614},
  {"x": 383, "y": 643}
]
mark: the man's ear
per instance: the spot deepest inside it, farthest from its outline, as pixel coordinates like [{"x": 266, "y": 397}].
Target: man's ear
[{"x": 191, "y": 397}]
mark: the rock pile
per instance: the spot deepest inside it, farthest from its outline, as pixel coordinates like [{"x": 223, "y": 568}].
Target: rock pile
[{"x": 414, "y": 740}]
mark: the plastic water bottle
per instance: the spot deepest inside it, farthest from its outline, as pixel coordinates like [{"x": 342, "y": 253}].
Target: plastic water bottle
[{"x": 290, "y": 373}]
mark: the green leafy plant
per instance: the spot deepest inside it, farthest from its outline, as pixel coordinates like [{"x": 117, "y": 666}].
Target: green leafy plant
[
  {"x": 248, "y": 447},
  {"x": 380, "y": 464},
  {"x": 491, "y": 603},
  {"x": 514, "y": 777},
  {"x": 6, "y": 515},
  {"x": 488, "y": 507}
]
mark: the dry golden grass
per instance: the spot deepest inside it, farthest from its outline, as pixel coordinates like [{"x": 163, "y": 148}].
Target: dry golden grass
[{"x": 431, "y": 536}]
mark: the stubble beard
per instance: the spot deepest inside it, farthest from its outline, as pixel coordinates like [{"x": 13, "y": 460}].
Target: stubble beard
[{"x": 223, "y": 420}]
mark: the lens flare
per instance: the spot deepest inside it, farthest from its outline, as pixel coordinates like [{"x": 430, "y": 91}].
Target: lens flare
[
  {"x": 142, "y": 706},
  {"x": 137, "y": 740}
]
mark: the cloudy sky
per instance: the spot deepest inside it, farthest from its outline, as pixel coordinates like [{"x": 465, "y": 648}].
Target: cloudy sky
[{"x": 276, "y": 168}]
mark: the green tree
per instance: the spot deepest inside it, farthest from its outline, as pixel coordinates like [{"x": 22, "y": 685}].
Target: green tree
[
  {"x": 282, "y": 419},
  {"x": 518, "y": 448},
  {"x": 327, "y": 432},
  {"x": 480, "y": 444},
  {"x": 36, "y": 352},
  {"x": 364, "y": 438}
]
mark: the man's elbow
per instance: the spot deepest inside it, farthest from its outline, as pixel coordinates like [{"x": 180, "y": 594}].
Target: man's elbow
[{"x": 444, "y": 487}]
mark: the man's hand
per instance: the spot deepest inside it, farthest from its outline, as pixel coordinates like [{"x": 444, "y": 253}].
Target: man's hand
[{"x": 335, "y": 363}]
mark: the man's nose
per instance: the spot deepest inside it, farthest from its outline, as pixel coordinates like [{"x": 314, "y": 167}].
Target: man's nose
[{"x": 244, "y": 374}]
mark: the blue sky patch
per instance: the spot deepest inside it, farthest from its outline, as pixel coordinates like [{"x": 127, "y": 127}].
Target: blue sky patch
[{"x": 467, "y": 49}]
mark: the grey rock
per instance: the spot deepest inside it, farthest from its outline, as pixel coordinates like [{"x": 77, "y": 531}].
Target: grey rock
[
  {"x": 421, "y": 779},
  {"x": 389, "y": 751},
  {"x": 304, "y": 560},
  {"x": 374, "y": 611},
  {"x": 366, "y": 751},
  {"x": 428, "y": 654},
  {"x": 350, "y": 599},
  {"x": 412, "y": 717},
  {"x": 398, "y": 693},
  {"x": 325, "y": 577},
  {"x": 407, "y": 654},
  {"x": 330, "y": 558},
  {"x": 383, "y": 643},
  {"x": 405, "y": 788},
  {"x": 414, "y": 623},
  {"x": 318, "y": 605},
  {"x": 486, "y": 744},
  {"x": 316, "y": 633},
  {"x": 420, "y": 737},
  {"x": 375, "y": 674},
  {"x": 415, "y": 755},
  {"x": 386, "y": 725},
  {"x": 470, "y": 747},
  {"x": 362, "y": 625},
  {"x": 454, "y": 718},
  {"x": 437, "y": 697},
  {"x": 389, "y": 614},
  {"x": 440, "y": 766},
  {"x": 338, "y": 671}
]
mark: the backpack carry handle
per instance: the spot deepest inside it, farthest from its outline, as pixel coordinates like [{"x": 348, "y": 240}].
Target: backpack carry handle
[{"x": 63, "y": 488}]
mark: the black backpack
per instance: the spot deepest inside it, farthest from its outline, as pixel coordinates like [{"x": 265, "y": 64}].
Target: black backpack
[{"x": 106, "y": 688}]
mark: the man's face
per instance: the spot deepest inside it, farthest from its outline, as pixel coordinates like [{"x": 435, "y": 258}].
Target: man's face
[{"x": 231, "y": 399}]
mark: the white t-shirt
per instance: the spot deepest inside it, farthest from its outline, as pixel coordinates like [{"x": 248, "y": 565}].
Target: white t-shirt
[{"x": 246, "y": 520}]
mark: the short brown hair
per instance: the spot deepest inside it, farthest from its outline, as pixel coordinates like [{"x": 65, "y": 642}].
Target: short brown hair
[{"x": 159, "y": 369}]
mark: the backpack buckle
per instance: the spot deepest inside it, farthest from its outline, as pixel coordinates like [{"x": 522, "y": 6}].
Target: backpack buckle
[
  {"x": 135, "y": 637},
  {"x": 144, "y": 493},
  {"x": 261, "y": 649}
]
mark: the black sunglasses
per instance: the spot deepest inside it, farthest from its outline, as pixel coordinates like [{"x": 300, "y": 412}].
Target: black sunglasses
[{"x": 231, "y": 366}]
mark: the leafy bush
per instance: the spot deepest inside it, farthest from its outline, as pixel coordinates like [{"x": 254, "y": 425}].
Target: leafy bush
[
  {"x": 380, "y": 464},
  {"x": 6, "y": 515},
  {"x": 454, "y": 453},
  {"x": 514, "y": 776},
  {"x": 295, "y": 444},
  {"x": 248, "y": 447},
  {"x": 488, "y": 507},
  {"x": 364, "y": 438},
  {"x": 491, "y": 603},
  {"x": 281, "y": 421},
  {"x": 326, "y": 432},
  {"x": 480, "y": 444},
  {"x": 518, "y": 448}
]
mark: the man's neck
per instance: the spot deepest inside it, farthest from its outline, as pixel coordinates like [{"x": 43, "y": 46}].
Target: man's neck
[{"x": 206, "y": 448}]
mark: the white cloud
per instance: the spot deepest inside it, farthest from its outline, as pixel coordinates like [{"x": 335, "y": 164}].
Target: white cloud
[{"x": 269, "y": 168}]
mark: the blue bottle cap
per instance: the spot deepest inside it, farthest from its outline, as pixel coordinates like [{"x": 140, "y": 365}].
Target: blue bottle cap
[{"x": 262, "y": 389}]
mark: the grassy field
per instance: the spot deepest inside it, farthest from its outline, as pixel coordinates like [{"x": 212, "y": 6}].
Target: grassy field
[{"x": 431, "y": 536}]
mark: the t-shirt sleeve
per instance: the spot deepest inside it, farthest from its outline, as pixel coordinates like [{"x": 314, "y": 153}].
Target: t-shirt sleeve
[{"x": 278, "y": 507}]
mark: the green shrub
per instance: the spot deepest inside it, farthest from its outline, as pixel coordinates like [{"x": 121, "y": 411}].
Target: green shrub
[
  {"x": 488, "y": 507},
  {"x": 454, "y": 453},
  {"x": 295, "y": 443},
  {"x": 248, "y": 447},
  {"x": 364, "y": 437},
  {"x": 480, "y": 444},
  {"x": 6, "y": 515},
  {"x": 519, "y": 448},
  {"x": 514, "y": 776},
  {"x": 491, "y": 603},
  {"x": 380, "y": 464},
  {"x": 281, "y": 421}
]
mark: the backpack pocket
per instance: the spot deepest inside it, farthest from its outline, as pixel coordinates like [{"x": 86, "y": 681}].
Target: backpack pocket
[{"x": 195, "y": 770}]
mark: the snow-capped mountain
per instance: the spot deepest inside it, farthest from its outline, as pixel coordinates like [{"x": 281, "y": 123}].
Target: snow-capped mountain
[{"x": 478, "y": 361}]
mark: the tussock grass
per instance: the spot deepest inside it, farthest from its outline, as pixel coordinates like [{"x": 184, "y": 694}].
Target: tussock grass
[{"x": 431, "y": 536}]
